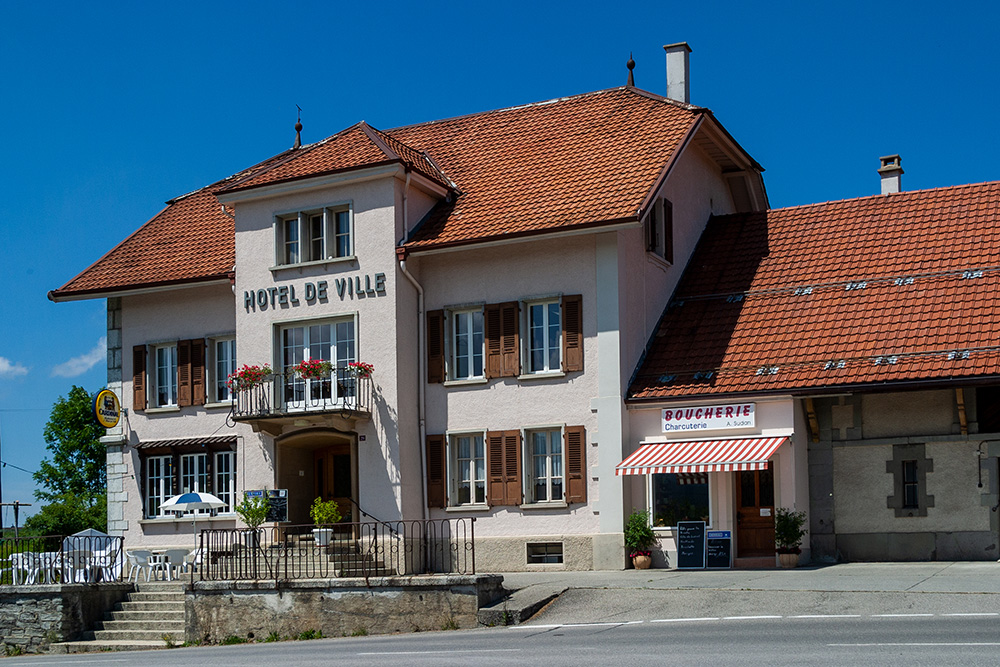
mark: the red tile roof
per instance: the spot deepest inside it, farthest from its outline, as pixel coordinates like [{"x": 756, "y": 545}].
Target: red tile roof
[
  {"x": 566, "y": 163},
  {"x": 887, "y": 289}
]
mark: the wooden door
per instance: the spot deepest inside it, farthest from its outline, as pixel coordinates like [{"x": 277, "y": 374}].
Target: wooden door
[
  {"x": 755, "y": 513},
  {"x": 334, "y": 468}
]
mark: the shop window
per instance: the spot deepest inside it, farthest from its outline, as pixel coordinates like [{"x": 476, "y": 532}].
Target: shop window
[
  {"x": 679, "y": 497},
  {"x": 313, "y": 236},
  {"x": 909, "y": 468},
  {"x": 159, "y": 483}
]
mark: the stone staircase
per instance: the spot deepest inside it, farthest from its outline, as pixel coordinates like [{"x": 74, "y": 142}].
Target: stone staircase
[{"x": 153, "y": 614}]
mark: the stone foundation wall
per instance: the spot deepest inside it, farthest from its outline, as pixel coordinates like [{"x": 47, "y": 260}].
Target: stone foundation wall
[
  {"x": 32, "y": 617},
  {"x": 216, "y": 610}
]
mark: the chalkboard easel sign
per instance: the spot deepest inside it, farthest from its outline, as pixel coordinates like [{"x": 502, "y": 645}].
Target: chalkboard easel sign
[
  {"x": 690, "y": 545},
  {"x": 719, "y": 549}
]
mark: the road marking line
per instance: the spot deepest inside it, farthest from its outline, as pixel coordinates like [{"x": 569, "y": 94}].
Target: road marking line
[
  {"x": 747, "y": 618},
  {"x": 924, "y": 644},
  {"x": 682, "y": 620},
  {"x": 899, "y": 615},
  {"x": 983, "y": 613},
  {"x": 827, "y": 616},
  {"x": 467, "y": 650}
]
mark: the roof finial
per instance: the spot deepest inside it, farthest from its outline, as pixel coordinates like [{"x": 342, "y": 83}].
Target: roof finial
[
  {"x": 298, "y": 128},
  {"x": 631, "y": 66}
]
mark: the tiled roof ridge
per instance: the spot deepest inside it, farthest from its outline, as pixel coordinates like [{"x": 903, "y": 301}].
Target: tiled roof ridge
[
  {"x": 419, "y": 159},
  {"x": 903, "y": 195},
  {"x": 541, "y": 103}
]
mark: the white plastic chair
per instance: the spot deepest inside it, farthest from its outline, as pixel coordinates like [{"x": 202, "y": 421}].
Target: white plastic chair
[
  {"x": 175, "y": 559},
  {"x": 194, "y": 559},
  {"x": 138, "y": 560},
  {"x": 25, "y": 563},
  {"x": 77, "y": 566}
]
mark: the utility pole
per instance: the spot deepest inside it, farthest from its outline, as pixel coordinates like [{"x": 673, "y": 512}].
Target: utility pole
[{"x": 17, "y": 505}]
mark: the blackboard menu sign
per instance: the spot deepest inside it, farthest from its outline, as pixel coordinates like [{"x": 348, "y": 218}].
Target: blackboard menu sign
[
  {"x": 277, "y": 508},
  {"x": 719, "y": 549},
  {"x": 690, "y": 545}
]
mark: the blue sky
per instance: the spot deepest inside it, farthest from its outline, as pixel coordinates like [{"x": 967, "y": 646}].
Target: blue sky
[{"x": 110, "y": 109}]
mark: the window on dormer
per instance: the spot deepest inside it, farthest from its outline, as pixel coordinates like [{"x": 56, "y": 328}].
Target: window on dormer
[
  {"x": 314, "y": 236},
  {"x": 660, "y": 229}
]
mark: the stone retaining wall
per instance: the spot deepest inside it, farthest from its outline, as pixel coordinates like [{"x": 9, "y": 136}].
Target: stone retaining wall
[
  {"x": 32, "y": 617},
  {"x": 220, "y": 609}
]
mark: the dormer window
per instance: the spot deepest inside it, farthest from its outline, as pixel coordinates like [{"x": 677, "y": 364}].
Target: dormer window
[
  {"x": 313, "y": 236},
  {"x": 660, "y": 229}
]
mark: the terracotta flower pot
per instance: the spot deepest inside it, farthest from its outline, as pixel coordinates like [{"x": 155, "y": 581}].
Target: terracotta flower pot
[
  {"x": 788, "y": 560},
  {"x": 642, "y": 562}
]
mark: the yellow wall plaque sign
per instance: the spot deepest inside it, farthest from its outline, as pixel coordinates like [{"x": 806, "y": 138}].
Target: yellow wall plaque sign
[{"x": 107, "y": 409}]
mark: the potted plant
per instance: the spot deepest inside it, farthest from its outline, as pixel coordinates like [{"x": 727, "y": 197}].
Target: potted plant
[
  {"x": 639, "y": 539},
  {"x": 323, "y": 513},
  {"x": 313, "y": 369},
  {"x": 361, "y": 369},
  {"x": 249, "y": 377},
  {"x": 253, "y": 511},
  {"x": 788, "y": 532}
]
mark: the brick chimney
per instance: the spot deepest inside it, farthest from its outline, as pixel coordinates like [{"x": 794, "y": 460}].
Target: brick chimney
[
  {"x": 678, "y": 72},
  {"x": 891, "y": 172}
]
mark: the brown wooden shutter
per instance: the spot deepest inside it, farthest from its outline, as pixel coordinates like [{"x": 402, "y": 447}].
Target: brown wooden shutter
[
  {"x": 198, "y": 371},
  {"x": 512, "y": 467},
  {"x": 510, "y": 342},
  {"x": 572, "y": 332},
  {"x": 494, "y": 468},
  {"x": 668, "y": 231},
  {"x": 575, "y": 442},
  {"x": 435, "y": 471},
  {"x": 435, "y": 346},
  {"x": 139, "y": 377},
  {"x": 493, "y": 335},
  {"x": 183, "y": 372}
]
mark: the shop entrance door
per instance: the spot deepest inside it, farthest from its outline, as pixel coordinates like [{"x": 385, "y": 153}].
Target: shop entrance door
[
  {"x": 755, "y": 513},
  {"x": 335, "y": 477}
]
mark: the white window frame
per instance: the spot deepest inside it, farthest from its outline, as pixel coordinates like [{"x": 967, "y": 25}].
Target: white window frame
[
  {"x": 167, "y": 381},
  {"x": 225, "y": 475},
  {"x": 315, "y": 394},
  {"x": 528, "y": 466},
  {"x": 195, "y": 479},
  {"x": 455, "y": 471},
  {"x": 159, "y": 487},
  {"x": 469, "y": 314},
  {"x": 289, "y": 251},
  {"x": 219, "y": 371},
  {"x": 528, "y": 367}
]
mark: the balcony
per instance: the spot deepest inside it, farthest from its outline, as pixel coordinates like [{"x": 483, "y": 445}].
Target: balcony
[{"x": 283, "y": 400}]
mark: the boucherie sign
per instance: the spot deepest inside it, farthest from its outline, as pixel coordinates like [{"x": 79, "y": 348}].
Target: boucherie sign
[{"x": 708, "y": 417}]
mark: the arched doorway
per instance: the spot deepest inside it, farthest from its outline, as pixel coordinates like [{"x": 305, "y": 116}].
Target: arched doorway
[{"x": 318, "y": 462}]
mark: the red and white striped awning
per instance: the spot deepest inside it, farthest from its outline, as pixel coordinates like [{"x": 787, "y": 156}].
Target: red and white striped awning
[{"x": 701, "y": 456}]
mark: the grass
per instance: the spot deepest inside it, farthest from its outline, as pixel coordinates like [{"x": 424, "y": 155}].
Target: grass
[
  {"x": 233, "y": 639},
  {"x": 310, "y": 634},
  {"x": 360, "y": 632}
]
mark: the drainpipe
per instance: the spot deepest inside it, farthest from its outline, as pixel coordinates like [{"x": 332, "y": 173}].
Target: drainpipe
[{"x": 421, "y": 357}]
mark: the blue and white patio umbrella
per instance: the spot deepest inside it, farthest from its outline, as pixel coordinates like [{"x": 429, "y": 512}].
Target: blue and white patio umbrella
[{"x": 189, "y": 502}]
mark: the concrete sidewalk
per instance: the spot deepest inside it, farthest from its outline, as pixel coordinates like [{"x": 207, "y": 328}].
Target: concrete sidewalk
[{"x": 530, "y": 591}]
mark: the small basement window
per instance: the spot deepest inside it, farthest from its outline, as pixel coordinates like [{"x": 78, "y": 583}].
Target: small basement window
[{"x": 545, "y": 552}]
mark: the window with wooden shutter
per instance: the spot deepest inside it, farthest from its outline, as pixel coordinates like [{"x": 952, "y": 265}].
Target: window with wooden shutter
[
  {"x": 510, "y": 342},
  {"x": 495, "y": 489},
  {"x": 512, "y": 467},
  {"x": 494, "y": 335},
  {"x": 139, "y": 377},
  {"x": 197, "y": 371},
  {"x": 435, "y": 346},
  {"x": 575, "y": 441},
  {"x": 652, "y": 228},
  {"x": 572, "y": 314},
  {"x": 435, "y": 471},
  {"x": 183, "y": 373}
]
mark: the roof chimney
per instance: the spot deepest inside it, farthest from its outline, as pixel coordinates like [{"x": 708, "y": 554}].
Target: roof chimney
[
  {"x": 678, "y": 75},
  {"x": 891, "y": 172}
]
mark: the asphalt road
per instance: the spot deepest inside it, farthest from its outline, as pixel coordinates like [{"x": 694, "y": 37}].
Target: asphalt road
[{"x": 765, "y": 640}]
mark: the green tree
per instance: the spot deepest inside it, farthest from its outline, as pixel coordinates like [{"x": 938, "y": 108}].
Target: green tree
[{"x": 73, "y": 481}]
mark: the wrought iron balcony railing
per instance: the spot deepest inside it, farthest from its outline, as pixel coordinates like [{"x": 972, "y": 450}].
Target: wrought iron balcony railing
[{"x": 289, "y": 395}]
